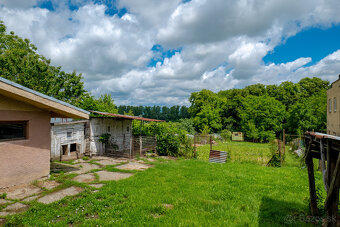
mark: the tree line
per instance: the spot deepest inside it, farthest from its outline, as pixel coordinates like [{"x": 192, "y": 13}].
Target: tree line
[
  {"x": 173, "y": 113},
  {"x": 263, "y": 111}
]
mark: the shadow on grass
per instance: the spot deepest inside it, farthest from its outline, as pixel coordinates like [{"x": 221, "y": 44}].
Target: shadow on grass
[{"x": 281, "y": 213}]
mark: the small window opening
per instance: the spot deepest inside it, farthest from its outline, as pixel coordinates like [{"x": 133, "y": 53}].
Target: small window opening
[
  {"x": 335, "y": 105},
  {"x": 127, "y": 128},
  {"x": 69, "y": 134},
  {"x": 108, "y": 129},
  {"x": 13, "y": 130},
  {"x": 330, "y": 105}
]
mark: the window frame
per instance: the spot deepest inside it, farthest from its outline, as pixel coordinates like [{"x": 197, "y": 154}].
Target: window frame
[
  {"x": 334, "y": 105},
  {"x": 25, "y": 130},
  {"x": 330, "y": 105}
]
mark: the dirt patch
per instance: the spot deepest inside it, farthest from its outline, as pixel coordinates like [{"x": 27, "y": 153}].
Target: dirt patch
[
  {"x": 50, "y": 198},
  {"x": 85, "y": 178},
  {"x": 21, "y": 191},
  {"x": 108, "y": 176},
  {"x": 134, "y": 166},
  {"x": 48, "y": 184},
  {"x": 16, "y": 207}
]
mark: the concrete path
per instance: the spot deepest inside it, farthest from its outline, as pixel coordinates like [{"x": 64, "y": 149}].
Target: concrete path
[
  {"x": 85, "y": 178},
  {"x": 134, "y": 166},
  {"x": 109, "y": 176},
  {"x": 21, "y": 191},
  {"x": 55, "y": 196}
]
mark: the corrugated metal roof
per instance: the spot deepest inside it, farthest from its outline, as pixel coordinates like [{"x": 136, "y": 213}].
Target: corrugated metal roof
[
  {"x": 126, "y": 116},
  {"x": 323, "y": 135},
  {"x": 41, "y": 95}
]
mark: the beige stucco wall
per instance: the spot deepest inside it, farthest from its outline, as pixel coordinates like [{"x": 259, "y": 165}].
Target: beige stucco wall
[
  {"x": 333, "y": 117},
  {"x": 23, "y": 161}
]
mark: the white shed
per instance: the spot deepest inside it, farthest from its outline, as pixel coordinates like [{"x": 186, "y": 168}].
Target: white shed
[{"x": 68, "y": 140}]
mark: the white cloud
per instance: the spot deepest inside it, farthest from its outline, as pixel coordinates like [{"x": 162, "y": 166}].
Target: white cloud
[{"x": 222, "y": 43}]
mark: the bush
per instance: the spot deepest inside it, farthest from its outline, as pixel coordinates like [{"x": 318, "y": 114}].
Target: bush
[
  {"x": 266, "y": 136},
  {"x": 226, "y": 135},
  {"x": 170, "y": 139}
]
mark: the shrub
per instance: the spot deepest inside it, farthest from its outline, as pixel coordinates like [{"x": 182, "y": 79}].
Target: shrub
[
  {"x": 170, "y": 139},
  {"x": 226, "y": 135}
]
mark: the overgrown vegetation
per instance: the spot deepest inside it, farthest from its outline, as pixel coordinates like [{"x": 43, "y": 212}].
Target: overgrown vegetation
[{"x": 171, "y": 140}]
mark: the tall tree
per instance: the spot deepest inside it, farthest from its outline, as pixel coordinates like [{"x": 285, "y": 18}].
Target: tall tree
[{"x": 20, "y": 62}]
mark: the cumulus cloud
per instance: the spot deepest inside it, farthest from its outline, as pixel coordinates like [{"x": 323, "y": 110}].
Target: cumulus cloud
[{"x": 221, "y": 43}]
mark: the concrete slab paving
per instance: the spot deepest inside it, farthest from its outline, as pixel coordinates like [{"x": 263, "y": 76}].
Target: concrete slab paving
[
  {"x": 48, "y": 184},
  {"x": 96, "y": 185},
  {"x": 55, "y": 196},
  {"x": 108, "y": 176},
  {"x": 85, "y": 167},
  {"x": 30, "y": 198},
  {"x": 85, "y": 178},
  {"x": 21, "y": 191},
  {"x": 134, "y": 166},
  {"x": 3, "y": 201},
  {"x": 4, "y": 214},
  {"x": 107, "y": 162},
  {"x": 16, "y": 207}
]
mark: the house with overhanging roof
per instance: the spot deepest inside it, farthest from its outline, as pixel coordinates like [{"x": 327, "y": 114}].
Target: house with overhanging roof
[{"x": 25, "y": 140}]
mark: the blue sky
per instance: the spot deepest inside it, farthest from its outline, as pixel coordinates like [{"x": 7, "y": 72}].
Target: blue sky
[{"x": 152, "y": 52}]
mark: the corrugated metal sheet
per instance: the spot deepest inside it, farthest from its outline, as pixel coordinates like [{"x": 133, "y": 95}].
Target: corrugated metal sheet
[
  {"x": 126, "y": 116},
  {"x": 320, "y": 135},
  {"x": 218, "y": 156}
]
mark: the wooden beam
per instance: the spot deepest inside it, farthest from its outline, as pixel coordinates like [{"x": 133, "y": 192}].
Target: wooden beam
[
  {"x": 311, "y": 180},
  {"x": 332, "y": 200},
  {"x": 323, "y": 164}
]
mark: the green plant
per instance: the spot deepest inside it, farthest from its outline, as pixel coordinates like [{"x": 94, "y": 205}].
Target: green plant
[
  {"x": 275, "y": 161},
  {"x": 3, "y": 196},
  {"x": 105, "y": 138},
  {"x": 226, "y": 135},
  {"x": 85, "y": 158}
]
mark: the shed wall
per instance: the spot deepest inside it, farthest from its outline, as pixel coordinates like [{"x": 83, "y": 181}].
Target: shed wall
[
  {"x": 60, "y": 137},
  {"x": 120, "y": 130},
  {"x": 22, "y": 161},
  {"x": 333, "y": 115}
]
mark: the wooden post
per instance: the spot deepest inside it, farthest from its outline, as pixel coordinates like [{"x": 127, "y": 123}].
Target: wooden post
[
  {"x": 195, "y": 150},
  {"x": 323, "y": 167},
  {"x": 279, "y": 149},
  {"x": 332, "y": 200},
  {"x": 140, "y": 145},
  {"x": 311, "y": 180},
  {"x": 284, "y": 141},
  {"x": 210, "y": 142}
]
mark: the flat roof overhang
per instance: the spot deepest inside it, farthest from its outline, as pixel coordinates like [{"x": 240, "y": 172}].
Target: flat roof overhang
[{"x": 56, "y": 107}]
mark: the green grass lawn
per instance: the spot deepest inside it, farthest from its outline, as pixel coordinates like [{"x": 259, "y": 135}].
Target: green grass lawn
[{"x": 202, "y": 194}]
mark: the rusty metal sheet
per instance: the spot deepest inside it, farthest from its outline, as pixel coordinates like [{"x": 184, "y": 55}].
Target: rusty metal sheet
[{"x": 218, "y": 156}]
